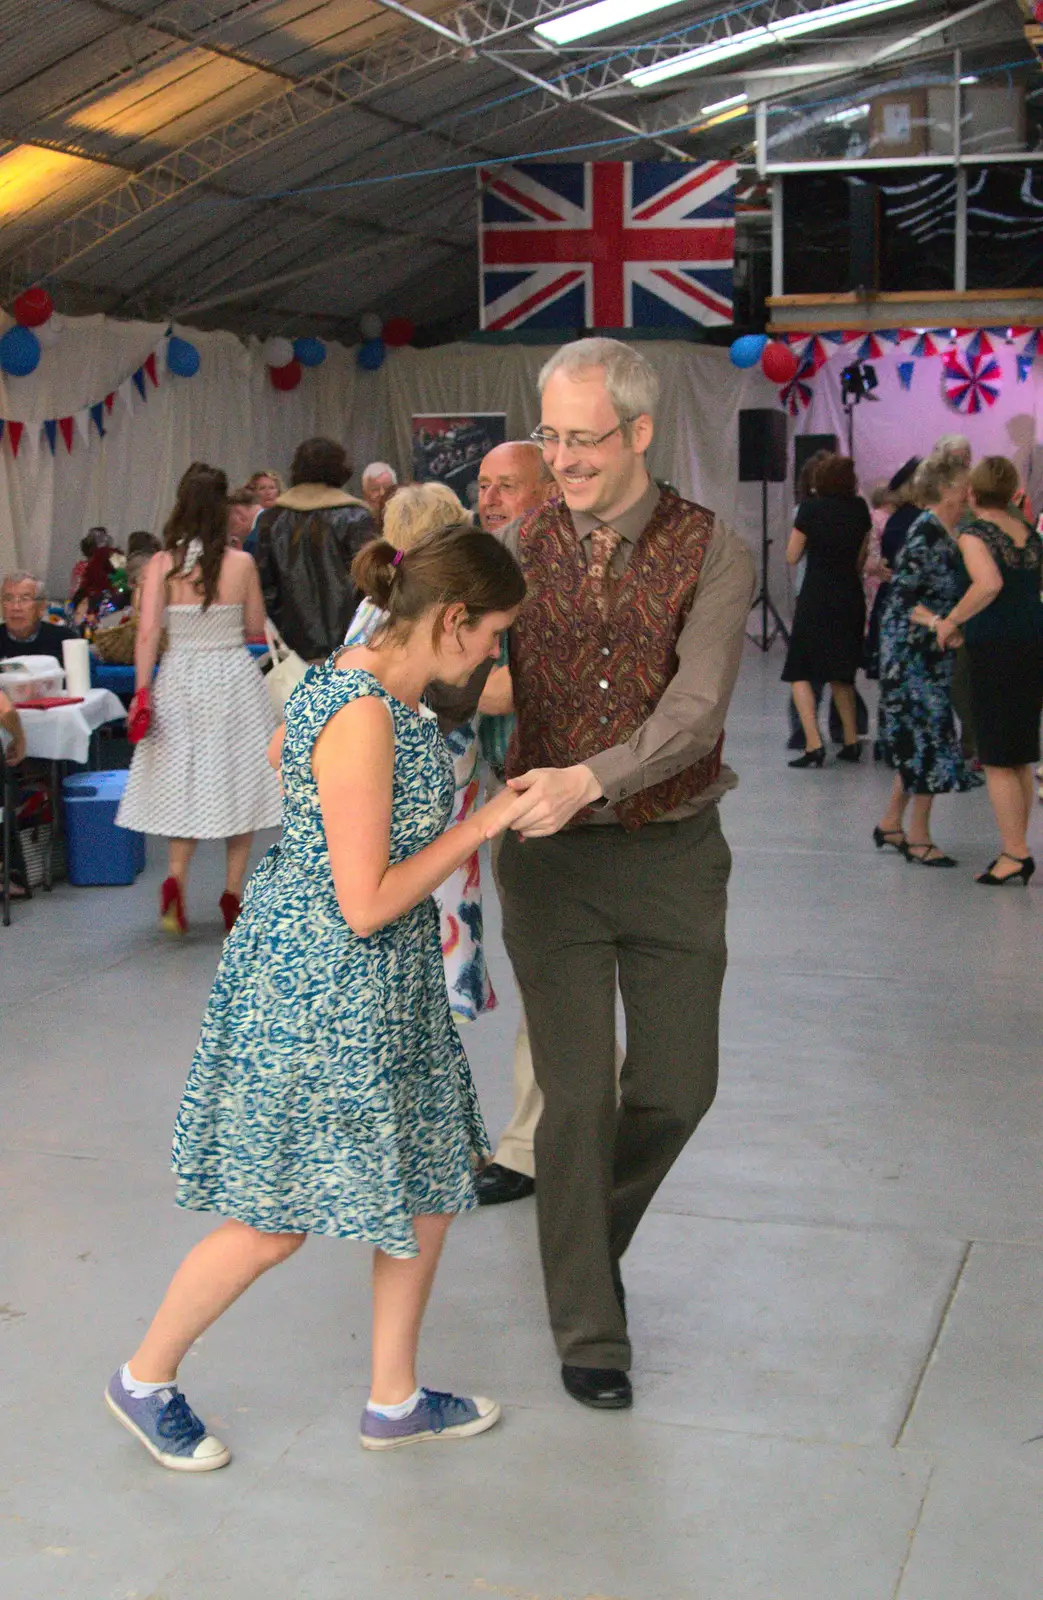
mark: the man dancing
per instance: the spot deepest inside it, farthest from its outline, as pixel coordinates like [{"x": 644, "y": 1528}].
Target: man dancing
[{"x": 623, "y": 662}]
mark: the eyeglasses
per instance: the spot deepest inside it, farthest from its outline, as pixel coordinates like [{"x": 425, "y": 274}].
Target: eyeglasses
[{"x": 582, "y": 443}]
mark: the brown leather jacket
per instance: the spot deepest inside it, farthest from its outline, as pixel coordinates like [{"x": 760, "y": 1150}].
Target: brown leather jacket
[{"x": 306, "y": 543}]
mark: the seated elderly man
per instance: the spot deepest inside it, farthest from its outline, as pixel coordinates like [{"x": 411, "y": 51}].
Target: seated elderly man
[
  {"x": 377, "y": 478},
  {"x": 24, "y": 632}
]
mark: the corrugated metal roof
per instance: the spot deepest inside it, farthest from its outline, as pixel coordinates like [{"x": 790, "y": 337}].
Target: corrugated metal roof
[{"x": 95, "y": 91}]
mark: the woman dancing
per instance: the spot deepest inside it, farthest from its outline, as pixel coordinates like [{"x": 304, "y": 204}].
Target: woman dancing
[{"x": 329, "y": 1092}]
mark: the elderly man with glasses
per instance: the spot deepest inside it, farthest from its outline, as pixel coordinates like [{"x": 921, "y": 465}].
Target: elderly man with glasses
[
  {"x": 623, "y": 661},
  {"x": 23, "y": 630}
]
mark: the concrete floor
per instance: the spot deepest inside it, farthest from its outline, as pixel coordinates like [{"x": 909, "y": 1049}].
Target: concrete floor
[{"x": 835, "y": 1302}]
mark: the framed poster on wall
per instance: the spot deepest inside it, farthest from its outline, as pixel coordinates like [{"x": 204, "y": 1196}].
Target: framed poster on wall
[{"x": 448, "y": 448}]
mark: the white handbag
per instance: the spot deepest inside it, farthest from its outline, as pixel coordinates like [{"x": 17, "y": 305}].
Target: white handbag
[{"x": 287, "y": 669}]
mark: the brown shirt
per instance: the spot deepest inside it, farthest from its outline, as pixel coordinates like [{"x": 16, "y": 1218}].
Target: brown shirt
[{"x": 687, "y": 722}]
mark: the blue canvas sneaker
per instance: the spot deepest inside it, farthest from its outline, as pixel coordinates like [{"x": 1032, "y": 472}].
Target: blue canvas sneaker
[
  {"x": 435, "y": 1416},
  {"x": 167, "y": 1427}
]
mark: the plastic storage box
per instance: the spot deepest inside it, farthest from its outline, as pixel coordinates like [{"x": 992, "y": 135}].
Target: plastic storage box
[{"x": 96, "y": 850}]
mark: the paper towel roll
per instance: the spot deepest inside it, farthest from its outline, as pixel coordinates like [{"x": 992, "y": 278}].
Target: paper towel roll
[{"x": 76, "y": 655}]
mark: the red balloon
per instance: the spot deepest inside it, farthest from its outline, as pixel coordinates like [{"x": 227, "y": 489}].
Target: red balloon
[
  {"x": 32, "y": 308},
  {"x": 398, "y": 331},
  {"x": 287, "y": 377},
  {"x": 778, "y": 362}
]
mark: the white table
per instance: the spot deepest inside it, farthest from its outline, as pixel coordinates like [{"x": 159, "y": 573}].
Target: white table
[{"x": 63, "y": 733}]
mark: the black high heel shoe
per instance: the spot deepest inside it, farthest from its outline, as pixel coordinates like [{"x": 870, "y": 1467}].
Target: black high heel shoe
[
  {"x": 1026, "y": 867},
  {"x": 894, "y": 838},
  {"x": 850, "y": 752},
  {"x": 927, "y": 860},
  {"x": 811, "y": 758}
]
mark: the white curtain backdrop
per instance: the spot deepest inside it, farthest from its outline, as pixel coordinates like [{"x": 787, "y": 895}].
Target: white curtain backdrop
[{"x": 230, "y": 415}]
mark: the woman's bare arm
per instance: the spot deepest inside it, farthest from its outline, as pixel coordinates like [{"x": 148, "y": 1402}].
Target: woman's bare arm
[
  {"x": 150, "y": 622},
  {"x": 353, "y": 762},
  {"x": 796, "y": 547}
]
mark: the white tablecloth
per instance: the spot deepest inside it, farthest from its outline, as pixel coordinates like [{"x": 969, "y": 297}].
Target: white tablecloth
[{"x": 64, "y": 732}]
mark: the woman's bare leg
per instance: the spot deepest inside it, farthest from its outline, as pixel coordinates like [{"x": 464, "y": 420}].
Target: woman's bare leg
[
  {"x": 919, "y": 831},
  {"x": 804, "y": 700},
  {"x": 1007, "y": 797},
  {"x": 212, "y": 1276},
  {"x": 180, "y": 856},
  {"x": 237, "y": 851},
  {"x": 892, "y": 819},
  {"x": 400, "y": 1293},
  {"x": 844, "y": 700}
]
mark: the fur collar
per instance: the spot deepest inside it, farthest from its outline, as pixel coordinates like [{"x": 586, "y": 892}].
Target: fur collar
[{"x": 316, "y": 497}]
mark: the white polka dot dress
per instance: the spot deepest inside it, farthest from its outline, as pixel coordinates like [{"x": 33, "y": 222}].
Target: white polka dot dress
[{"x": 202, "y": 771}]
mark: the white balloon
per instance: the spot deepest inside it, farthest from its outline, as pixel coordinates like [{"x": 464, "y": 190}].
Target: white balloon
[
  {"x": 371, "y": 326},
  {"x": 50, "y": 332},
  {"x": 278, "y": 352}
]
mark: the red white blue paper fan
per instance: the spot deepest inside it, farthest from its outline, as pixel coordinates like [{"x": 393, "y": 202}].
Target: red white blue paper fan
[
  {"x": 971, "y": 383},
  {"x": 796, "y": 395}
]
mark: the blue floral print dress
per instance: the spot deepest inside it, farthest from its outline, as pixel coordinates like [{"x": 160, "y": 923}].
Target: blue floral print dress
[
  {"x": 329, "y": 1092},
  {"x": 917, "y": 726}
]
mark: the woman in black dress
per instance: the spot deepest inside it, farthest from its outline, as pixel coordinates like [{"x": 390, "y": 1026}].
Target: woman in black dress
[
  {"x": 832, "y": 529},
  {"x": 1001, "y": 619}
]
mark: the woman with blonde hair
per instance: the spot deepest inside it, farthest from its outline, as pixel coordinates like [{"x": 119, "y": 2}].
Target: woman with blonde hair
[
  {"x": 412, "y": 513},
  {"x": 918, "y": 729},
  {"x": 1001, "y": 619},
  {"x": 267, "y": 485}
]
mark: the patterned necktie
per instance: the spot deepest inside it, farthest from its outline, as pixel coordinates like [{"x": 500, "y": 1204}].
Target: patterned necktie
[{"x": 604, "y": 544}]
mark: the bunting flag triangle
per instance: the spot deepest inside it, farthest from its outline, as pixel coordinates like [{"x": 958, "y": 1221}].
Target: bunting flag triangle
[
  {"x": 50, "y": 428},
  {"x": 126, "y": 394},
  {"x": 82, "y": 419},
  {"x": 905, "y": 373},
  {"x": 97, "y": 412},
  {"x": 110, "y": 400},
  {"x": 150, "y": 367},
  {"x": 1025, "y": 365},
  {"x": 14, "y": 434},
  {"x": 66, "y": 426},
  {"x": 138, "y": 380},
  {"x": 31, "y": 438},
  {"x": 870, "y": 349}
]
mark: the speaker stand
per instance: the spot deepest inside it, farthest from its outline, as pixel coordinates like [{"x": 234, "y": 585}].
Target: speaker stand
[{"x": 771, "y": 624}]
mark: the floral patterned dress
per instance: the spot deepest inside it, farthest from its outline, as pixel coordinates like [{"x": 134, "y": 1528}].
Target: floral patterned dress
[
  {"x": 459, "y": 899},
  {"x": 917, "y": 726},
  {"x": 329, "y": 1092}
]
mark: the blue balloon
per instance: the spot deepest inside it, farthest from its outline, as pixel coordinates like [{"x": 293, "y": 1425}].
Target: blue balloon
[
  {"x": 747, "y": 351},
  {"x": 19, "y": 351},
  {"x": 371, "y": 355},
  {"x": 182, "y": 357},
  {"x": 309, "y": 352}
]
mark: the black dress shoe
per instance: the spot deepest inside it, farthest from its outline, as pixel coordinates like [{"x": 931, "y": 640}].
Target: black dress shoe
[
  {"x": 604, "y": 1388},
  {"x": 497, "y": 1185}
]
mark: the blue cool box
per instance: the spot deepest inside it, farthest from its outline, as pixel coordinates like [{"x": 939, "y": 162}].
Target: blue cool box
[{"x": 96, "y": 851}]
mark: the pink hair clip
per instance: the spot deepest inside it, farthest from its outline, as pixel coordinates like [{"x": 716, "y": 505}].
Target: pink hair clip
[{"x": 398, "y": 557}]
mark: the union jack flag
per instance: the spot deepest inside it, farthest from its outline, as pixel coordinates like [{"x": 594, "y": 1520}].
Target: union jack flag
[{"x": 607, "y": 244}]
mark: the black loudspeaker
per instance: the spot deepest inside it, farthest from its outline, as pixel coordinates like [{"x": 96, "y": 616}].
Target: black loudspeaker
[
  {"x": 762, "y": 446},
  {"x": 806, "y": 445},
  {"x": 864, "y": 222}
]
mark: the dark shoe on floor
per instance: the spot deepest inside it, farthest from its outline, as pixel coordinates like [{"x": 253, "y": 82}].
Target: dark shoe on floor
[
  {"x": 604, "y": 1388},
  {"x": 810, "y": 758},
  {"x": 928, "y": 855},
  {"x": 1025, "y": 867},
  {"x": 893, "y": 837},
  {"x": 497, "y": 1185},
  {"x": 850, "y": 752}
]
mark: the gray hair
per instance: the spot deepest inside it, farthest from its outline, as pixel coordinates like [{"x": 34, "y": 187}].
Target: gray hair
[
  {"x": 630, "y": 378},
  {"x": 953, "y": 447},
  {"x": 11, "y": 578},
  {"x": 379, "y": 469},
  {"x": 935, "y": 476},
  {"x": 417, "y": 509}
]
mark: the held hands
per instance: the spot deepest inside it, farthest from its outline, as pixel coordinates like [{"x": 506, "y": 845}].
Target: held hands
[
  {"x": 948, "y": 634},
  {"x": 549, "y": 797},
  {"x": 498, "y": 814}
]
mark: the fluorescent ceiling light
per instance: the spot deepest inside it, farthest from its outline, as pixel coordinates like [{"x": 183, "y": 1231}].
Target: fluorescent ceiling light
[
  {"x": 777, "y": 32},
  {"x": 724, "y": 105},
  {"x": 598, "y": 18},
  {"x": 970, "y": 78},
  {"x": 849, "y": 114}
]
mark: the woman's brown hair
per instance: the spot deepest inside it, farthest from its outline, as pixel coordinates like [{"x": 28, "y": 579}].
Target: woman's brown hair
[
  {"x": 835, "y": 475},
  {"x": 806, "y": 476},
  {"x": 994, "y": 483},
  {"x": 200, "y": 512},
  {"x": 459, "y": 565}
]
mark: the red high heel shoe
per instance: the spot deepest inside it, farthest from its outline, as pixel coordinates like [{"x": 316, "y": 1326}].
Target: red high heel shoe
[
  {"x": 172, "y": 907},
  {"x": 230, "y": 905}
]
